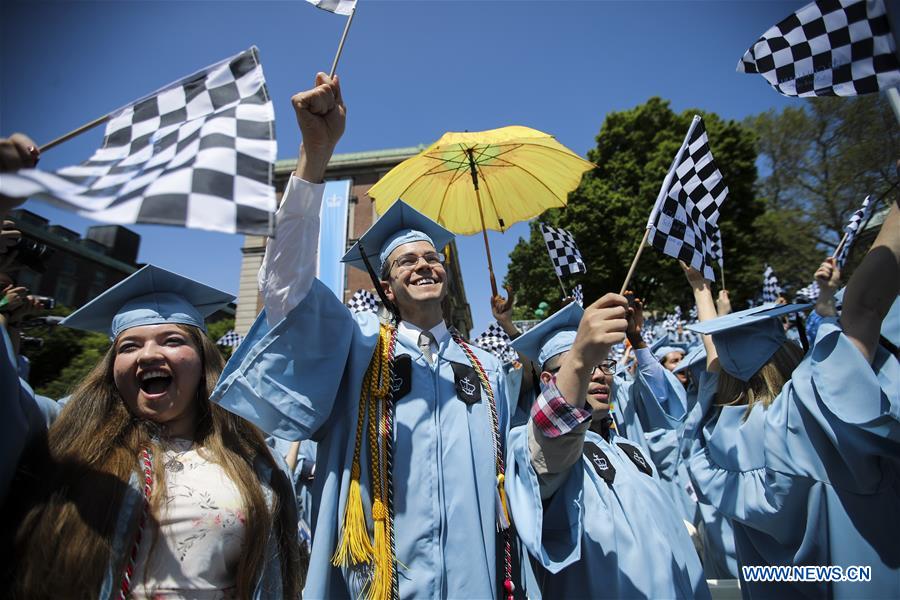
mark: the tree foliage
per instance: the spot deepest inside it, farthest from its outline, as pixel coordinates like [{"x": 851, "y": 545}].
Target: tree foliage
[{"x": 608, "y": 212}]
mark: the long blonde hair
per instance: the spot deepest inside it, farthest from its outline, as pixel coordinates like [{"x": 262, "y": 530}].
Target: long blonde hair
[
  {"x": 81, "y": 473},
  {"x": 764, "y": 385}
]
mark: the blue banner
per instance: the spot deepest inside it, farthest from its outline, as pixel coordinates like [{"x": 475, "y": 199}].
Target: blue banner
[{"x": 333, "y": 235}]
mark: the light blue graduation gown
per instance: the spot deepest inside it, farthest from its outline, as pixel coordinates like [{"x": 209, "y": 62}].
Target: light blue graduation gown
[
  {"x": 652, "y": 423},
  {"x": 301, "y": 379},
  {"x": 812, "y": 479},
  {"x": 593, "y": 539}
]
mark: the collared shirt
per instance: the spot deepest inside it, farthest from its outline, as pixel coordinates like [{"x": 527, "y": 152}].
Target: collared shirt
[
  {"x": 553, "y": 415},
  {"x": 411, "y": 332}
]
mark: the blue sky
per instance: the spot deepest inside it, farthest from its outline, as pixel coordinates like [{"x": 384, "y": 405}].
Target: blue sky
[{"x": 411, "y": 70}]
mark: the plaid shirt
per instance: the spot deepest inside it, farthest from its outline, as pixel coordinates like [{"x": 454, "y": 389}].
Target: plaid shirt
[{"x": 553, "y": 415}]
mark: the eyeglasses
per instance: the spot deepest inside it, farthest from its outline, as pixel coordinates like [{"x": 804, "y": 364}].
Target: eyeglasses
[
  {"x": 607, "y": 366},
  {"x": 410, "y": 261}
]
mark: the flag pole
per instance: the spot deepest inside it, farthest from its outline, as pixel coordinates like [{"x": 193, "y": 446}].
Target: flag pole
[
  {"x": 637, "y": 256},
  {"x": 340, "y": 49},
  {"x": 74, "y": 132},
  {"x": 565, "y": 293},
  {"x": 840, "y": 246},
  {"x": 722, "y": 273}
]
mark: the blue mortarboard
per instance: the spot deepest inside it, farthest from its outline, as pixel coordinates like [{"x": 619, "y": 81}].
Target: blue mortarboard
[
  {"x": 660, "y": 352},
  {"x": 695, "y": 355},
  {"x": 890, "y": 327},
  {"x": 400, "y": 224},
  {"x": 148, "y": 297},
  {"x": 553, "y": 335},
  {"x": 746, "y": 340}
]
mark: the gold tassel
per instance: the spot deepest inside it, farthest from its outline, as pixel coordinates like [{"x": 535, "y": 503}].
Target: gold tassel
[
  {"x": 355, "y": 547},
  {"x": 380, "y": 585},
  {"x": 504, "y": 509}
]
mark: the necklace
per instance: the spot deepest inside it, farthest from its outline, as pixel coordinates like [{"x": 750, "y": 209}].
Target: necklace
[{"x": 173, "y": 464}]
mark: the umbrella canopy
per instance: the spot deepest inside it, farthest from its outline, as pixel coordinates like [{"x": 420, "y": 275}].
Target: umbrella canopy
[{"x": 521, "y": 172}]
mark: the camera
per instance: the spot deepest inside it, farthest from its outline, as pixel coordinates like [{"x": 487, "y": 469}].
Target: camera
[
  {"x": 47, "y": 303},
  {"x": 32, "y": 254}
]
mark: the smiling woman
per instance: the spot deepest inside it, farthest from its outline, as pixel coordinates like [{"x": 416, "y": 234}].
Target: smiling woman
[{"x": 166, "y": 493}]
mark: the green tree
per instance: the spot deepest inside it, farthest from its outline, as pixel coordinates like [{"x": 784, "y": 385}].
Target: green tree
[
  {"x": 608, "y": 212},
  {"x": 216, "y": 330},
  {"x": 823, "y": 157}
]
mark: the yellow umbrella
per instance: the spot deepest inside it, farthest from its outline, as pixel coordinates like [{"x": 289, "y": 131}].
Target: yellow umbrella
[{"x": 510, "y": 174}]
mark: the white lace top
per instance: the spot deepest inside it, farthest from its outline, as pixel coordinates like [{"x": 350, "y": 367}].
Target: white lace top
[{"x": 201, "y": 531}]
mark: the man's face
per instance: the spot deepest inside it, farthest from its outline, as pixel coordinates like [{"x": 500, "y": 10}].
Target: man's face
[
  {"x": 415, "y": 275},
  {"x": 599, "y": 388}
]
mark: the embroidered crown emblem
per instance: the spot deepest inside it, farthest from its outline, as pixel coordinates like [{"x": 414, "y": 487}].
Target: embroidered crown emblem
[{"x": 467, "y": 386}]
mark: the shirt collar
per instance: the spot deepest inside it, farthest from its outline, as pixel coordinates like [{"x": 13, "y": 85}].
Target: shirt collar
[{"x": 411, "y": 332}]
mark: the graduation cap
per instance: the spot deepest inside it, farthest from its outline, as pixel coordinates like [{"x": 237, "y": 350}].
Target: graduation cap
[
  {"x": 890, "y": 327},
  {"x": 148, "y": 297},
  {"x": 552, "y": 336},
  {"x": 747, "y": 339},
  {"x": 400, "y": 224}
]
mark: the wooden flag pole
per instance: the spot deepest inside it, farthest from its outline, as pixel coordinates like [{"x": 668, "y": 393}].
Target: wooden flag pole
[
  {"x": 722, "y": 273},
  {"x": 75, "y": 132},
  {"x": 565, "y": 293},
  {"x": 839, "y": 247},
  {"x": 340, "y": 49},
  {"x": 637, "y": 256}
]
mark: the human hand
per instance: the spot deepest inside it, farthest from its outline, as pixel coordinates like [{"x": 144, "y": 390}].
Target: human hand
[
  {"x": 13, "y": 297},
  {"x": 603, "y": 325},
  {"x": 635, "y": 327},
  {"x": 9, "y": 236},
  {"x": 828, "y": 276},
  {"x": 18, "y": 151},
  {"x": 322, "y": 118},
  {"x": 501, "y": 307},
  {"x": 695, "y": 278},
  {"x": 28, "y": 306},
  {"x": 723, "y": 303}
]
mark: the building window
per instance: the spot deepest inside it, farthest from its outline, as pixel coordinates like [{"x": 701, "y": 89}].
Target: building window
[
  {"x": 98, "y": 285},
  {"x": 65, "y": 291}
]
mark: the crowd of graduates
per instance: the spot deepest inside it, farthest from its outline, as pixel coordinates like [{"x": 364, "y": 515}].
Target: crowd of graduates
[{"x": 340, "y": 454}]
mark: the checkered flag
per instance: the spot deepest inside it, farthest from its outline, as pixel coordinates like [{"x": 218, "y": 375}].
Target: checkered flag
[
  {"x": 363, "y": 301},
  {"x": 563, "y": 251},
  {"x": 495, "y": 340},
  {"x": 230, "y": 339},
  {"x": 857, "y": 220},
  {"x": 340, "y": 7},
  {"x": 828, "y": 48},
  {"x": 684, "y": 219},
  {"x": 771, "y": 290},
  {"x": 198, "y": 153},
  {"x": 578, "y": 294},
  {"x": 810, "y": 293}
]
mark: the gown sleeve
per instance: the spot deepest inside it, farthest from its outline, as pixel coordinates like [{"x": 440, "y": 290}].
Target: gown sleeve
[{"x": 550, "y": 530}]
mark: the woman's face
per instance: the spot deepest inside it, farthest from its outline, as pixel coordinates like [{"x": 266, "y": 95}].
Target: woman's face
[{"x": 157, "y": 371}]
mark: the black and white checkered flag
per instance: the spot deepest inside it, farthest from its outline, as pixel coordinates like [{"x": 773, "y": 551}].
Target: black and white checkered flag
[
  {"x": 495, "y": 340},
  {"x": 198, "y": 153},
  {"x": 810, "y": 293},
  {"x": 828, "y": 48},
  {"x": 578, "y": 294},
  {"x": 363, "y": 301},
  {"x": 771, "y": 290},
  {"x": 563, "y": 251},
  {"x": 231, "y": 339},
  {"x": 684, "y": 219},
  {"x": 857, "y": 220}
]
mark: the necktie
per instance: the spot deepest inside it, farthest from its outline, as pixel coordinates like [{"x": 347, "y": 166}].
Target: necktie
[{"x": 425, "y": 340}]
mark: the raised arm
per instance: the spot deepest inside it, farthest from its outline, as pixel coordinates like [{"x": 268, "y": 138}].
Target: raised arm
[
  {"x": 873, "y": 288},
  {"x": 289, "y": 266},
  {"x": 706, "y": 311}
]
